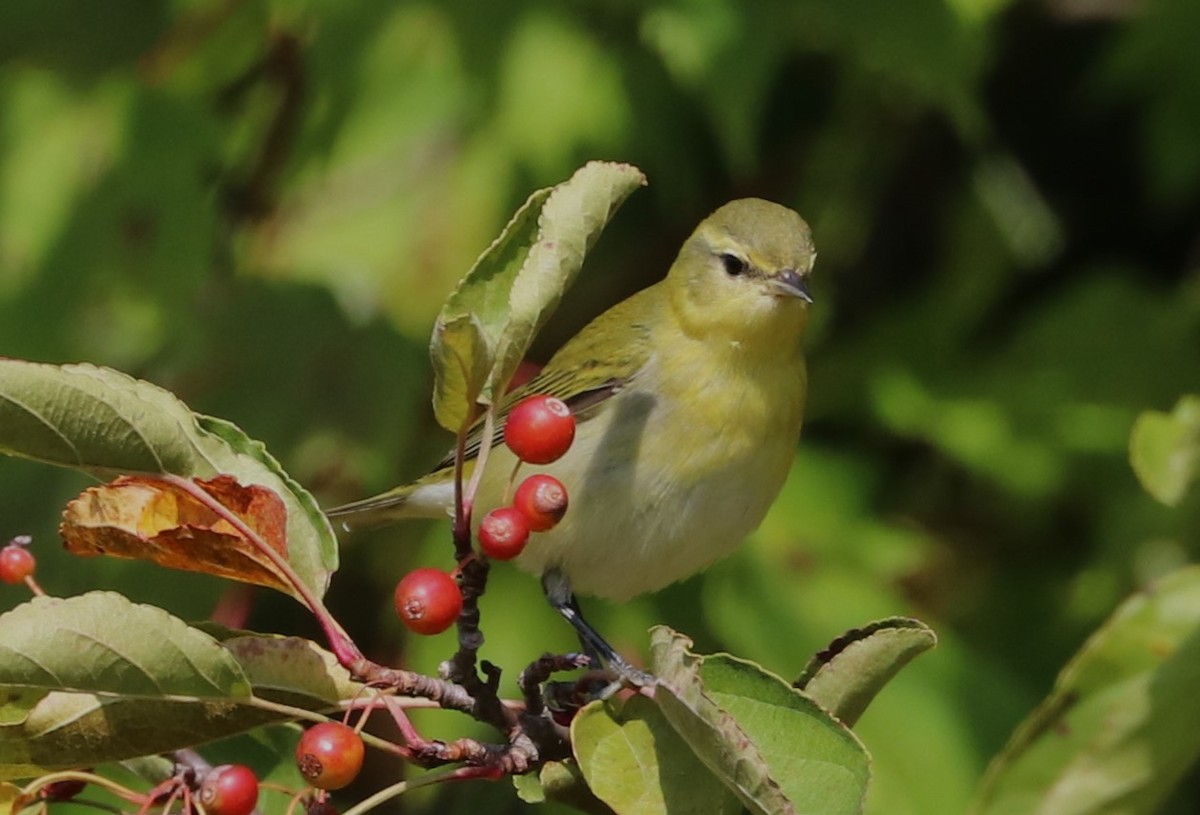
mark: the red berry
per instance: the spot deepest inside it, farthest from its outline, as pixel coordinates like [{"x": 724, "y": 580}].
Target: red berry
[
  {"x": 428, "y": 600},
  {"x": 539, "y": 429},
  {"x": 542, "y": 499},
  {"x": 16, "y": 563},
  {"x": 230, "y": 789},
  {"x": 329, "y": 755},
  {"x": 503, "y": 533}
]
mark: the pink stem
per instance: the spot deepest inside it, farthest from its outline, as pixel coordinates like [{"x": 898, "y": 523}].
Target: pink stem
[{"x": 343, "y": 647}]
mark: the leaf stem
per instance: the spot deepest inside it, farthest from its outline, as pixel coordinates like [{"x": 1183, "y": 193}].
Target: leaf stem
[
  {"x": 485, "y": 448},
  {"x": 115, "y": 788},
  {"x": 462, "y": 520},
  {"x": 343, "y": 646},
  {"x": 464, "y": 499},
  {"x": 318, "y": 718}
]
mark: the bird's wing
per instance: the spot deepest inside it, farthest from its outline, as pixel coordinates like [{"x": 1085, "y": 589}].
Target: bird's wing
[
  {"x": 583, "y": 393},
  {"x": 585, "y": 373}
]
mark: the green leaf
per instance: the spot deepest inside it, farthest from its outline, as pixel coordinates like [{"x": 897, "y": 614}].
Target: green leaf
[
  {"x": 529, "y": 788},
  {"x": 101, "y": 642},
  {"x": 127, "y": 680},
  {"x": 461, "y": 354},
  {"x": 106, "y": 423},
  {"x": 15, "y": 704},
  {"x": 847, "y": 675},
  {"x": 560, "y": 781},
  {"x": 1119, "y": 729},
  {"x": 636, "y": 763},
  {"x": 292, "y": 670},
  {"x": 486, "y": 325},
  {"x": 773, "y": 746},
  {"x": 73, "y": 730},
  {"x": 1165, "y": 450},
  {"x": 819, "y": 764},
  {"x": 712, "y": 733}
]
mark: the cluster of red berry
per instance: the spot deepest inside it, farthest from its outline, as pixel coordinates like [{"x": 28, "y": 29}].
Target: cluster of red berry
[
  {"x": 329, "y": 757},
  {"x": 539, "y": 430}
]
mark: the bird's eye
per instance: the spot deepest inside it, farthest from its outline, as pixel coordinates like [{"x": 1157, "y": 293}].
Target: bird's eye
[{"x": 734, "y": 265}]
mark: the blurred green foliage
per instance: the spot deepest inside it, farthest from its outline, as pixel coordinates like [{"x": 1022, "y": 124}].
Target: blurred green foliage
[{"x": 261, "y": 206}]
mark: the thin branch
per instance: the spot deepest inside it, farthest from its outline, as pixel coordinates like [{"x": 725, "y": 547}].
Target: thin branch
[
  {"x": 540, "y": 670},
  {"x": 348, "y": 654}
]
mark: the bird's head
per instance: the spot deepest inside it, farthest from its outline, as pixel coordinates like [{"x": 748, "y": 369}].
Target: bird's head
[{"x": 743, "y": 275}]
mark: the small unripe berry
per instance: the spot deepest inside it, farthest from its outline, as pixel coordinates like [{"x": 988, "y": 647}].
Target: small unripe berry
[
  {"x": 63, "y": 790},
  {"x": 319, "y": 806},
  {"x": 230, "y": 789},
  {"x": 542, "y": 499},
  {"x": 329, "y": 755},
  {"x": 503, "y": 533},
  {"x": 539, "y": 429},
  {"x": 428, "y": 600},
  {"x": 16, "y": 563}
]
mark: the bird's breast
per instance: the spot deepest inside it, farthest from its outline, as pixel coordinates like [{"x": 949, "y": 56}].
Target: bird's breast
[{"x": 670, "y": 476}]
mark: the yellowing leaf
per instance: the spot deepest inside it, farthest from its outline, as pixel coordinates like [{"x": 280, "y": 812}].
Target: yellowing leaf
[{"x": 150, "y": 519}]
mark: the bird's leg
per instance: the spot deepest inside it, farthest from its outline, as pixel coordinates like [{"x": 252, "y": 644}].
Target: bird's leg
[{"x": 558, "y": 591}]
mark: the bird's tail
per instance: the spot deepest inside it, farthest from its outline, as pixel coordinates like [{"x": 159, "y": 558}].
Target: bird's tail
[
  {"x": 427, "y": 498},
  {"x": 378, "y": 510}
]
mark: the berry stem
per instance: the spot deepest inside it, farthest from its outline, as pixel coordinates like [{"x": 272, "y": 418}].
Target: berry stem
[
  {"x": 512, "y": 479},
  {"x": 378, "y": 743},
  {"x": 35, "y": 587},
  {"x": 464, "y": 500},
  {"x": 462, "y": 518},
  {"x": 31, "y": 790}
]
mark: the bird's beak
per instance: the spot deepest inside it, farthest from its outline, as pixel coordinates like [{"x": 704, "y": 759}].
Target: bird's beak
[{"x": 791, "y": 283}]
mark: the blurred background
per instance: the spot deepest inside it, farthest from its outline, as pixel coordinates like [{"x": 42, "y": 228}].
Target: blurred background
[{"x": 261, "y": 206}]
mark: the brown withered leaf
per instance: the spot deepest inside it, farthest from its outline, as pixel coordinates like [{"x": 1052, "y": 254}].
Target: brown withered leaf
[{"x": 149, "y": 519}]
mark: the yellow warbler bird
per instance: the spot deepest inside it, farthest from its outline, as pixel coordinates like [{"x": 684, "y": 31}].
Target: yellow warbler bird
[{"x": 688, "y": 398}]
